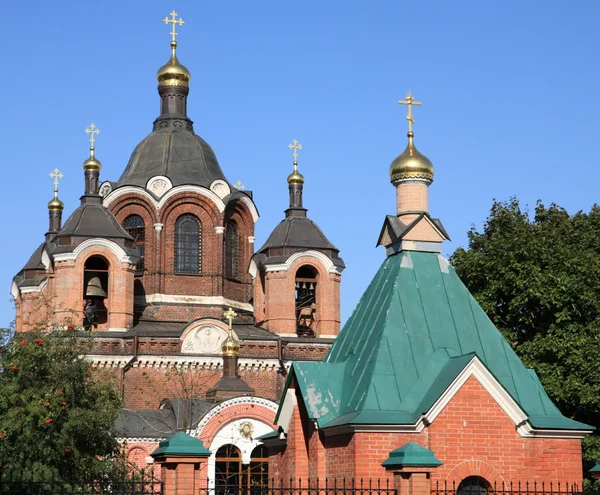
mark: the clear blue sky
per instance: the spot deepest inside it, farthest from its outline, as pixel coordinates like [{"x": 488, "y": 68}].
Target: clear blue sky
[{"x": 510, "y": 97}]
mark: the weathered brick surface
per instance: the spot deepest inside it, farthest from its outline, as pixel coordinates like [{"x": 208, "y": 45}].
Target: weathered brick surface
[{"x": 412, "y": 196}]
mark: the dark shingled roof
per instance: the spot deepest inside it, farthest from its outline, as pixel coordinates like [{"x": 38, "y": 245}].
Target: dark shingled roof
[
  {"x": 178, "y": 154},
  {"x": 93, "y": 220}
]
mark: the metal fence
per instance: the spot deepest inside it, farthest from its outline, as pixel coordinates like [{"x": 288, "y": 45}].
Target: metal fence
[
  {"x": 316, "y": 486},
  {"x": 478, "y": 486},
  {"x": 23, "y": 483}
]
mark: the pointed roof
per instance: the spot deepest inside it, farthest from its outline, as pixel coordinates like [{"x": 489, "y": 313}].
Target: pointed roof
[{"x": 415, "y": 329}]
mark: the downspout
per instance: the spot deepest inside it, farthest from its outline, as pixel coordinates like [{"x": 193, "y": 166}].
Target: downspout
[{"x": 128, "y": 365}]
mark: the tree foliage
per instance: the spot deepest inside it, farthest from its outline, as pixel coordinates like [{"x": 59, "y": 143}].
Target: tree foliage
[
  {"x": 537, "y": 276},
  {"x": 56, "y": 414}
]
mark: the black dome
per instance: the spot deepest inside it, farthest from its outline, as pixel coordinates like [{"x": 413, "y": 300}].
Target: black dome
[{"x": 178, "y": 154}]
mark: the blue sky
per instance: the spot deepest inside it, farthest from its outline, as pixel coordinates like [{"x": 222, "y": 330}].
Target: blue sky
[{"x": 509, "y": 91}]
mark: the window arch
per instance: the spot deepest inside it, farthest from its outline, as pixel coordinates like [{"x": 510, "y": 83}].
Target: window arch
[
  {"x": 230, "y": 473},
  {"x": 232, "y": 250},
  {"x": 188, "y": 244},
  {"x": 306, "y": 300},
  {"x": 474, "y": 485},
  {"x": 95, "y": 292},
  {"x": 135, "y": 227}
]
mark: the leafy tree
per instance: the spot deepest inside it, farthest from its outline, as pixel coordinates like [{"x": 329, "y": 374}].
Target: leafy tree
[
  {"x": 538, "y": 279},
  {"x": 56, "y": 414}
]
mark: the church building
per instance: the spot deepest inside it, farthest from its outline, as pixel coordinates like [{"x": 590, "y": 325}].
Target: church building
[{"x": 239, "y": 346}]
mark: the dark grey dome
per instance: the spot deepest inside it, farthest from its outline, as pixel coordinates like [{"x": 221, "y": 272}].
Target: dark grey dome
[{"x": 178, "y": 154}]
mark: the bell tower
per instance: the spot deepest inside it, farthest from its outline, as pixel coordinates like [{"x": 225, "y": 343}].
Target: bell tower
[{"x": 297, "y": 272}]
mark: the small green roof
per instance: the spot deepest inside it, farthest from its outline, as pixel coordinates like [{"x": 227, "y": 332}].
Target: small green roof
[
  {"x": 414, "y": 330},
  {"x": 596, "y": 468},
  {"x": 268, "y": 436},
  {"x": 182, "y": 444},
  {"x": 411, "y": 454}
]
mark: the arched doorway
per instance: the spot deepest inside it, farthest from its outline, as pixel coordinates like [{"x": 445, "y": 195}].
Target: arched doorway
[
  {"x": 473, "y": 485},
  {"x": 234, "y": 476}
]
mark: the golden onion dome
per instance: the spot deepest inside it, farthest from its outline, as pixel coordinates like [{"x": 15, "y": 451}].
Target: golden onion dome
[
  {"x": 411, "y": 164},
  {"x": 92, "y": 163},
  {"x": 295, "y": 177},
  {"x": 230, "y": 346},
  {"x": 173, "y": 73},
  {"x": 56, "y": 204}
]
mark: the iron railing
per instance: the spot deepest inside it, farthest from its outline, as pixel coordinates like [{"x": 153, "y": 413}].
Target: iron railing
[
  {"x": 316, "y": 486},
  {"x": 481, "y": 487}
]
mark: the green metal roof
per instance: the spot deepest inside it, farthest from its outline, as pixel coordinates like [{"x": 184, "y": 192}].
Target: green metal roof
[
  {"x": 182, "y": 444},
  {"x": 411, "y": 454},
  {"x": 414, "y": 330},
  {"x": 596, "y": 468}
]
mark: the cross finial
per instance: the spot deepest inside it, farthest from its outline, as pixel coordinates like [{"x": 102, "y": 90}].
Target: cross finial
[
  {"x": 56, "y": 175},
  {"x": 229, "y": 315},
  {"x": 410, "y": 101},
  {"x": 239, "y": 186},
  {"x": 173, "y": 21},
  {"x": 296, "y": 147},
  {"x": 92, "y": 131}
]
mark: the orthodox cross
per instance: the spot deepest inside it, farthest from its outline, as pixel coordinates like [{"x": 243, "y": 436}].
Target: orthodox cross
[
  {"x": 56, "y": 175},
  {"x": 173, "y": 21},
  {"x": 230, "y": 314},
  {"x": 239, "y": 186},
  {"x": 92, "y": 130},
  {"x": 410, "y": 101},
  {"x": 296, "y": 147}
]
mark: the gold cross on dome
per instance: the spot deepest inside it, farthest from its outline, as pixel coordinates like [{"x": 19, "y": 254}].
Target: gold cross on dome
[
  {"x": 296, "y": 147},
  {"x": 173, "y": 21},
  {"x": 92, "y": 130},
  {"x": 56, "y": 175},
  {"x": 410, "y": 101},
  {"x": 230, "y": 314},
  {"x": 239, "y": 186}
]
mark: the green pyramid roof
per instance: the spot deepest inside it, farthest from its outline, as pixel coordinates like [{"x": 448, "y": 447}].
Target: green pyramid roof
[
  {"x": 414, "y": 330},
  {"x": 411, "y": 454},
  {"x": 182, "y": 444}
]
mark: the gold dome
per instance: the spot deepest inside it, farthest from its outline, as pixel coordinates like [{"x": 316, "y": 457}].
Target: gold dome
[
  {"x": 411, "y": 164},
  {"x": 295, "y": 177},
  {"x": 92, "y": 163},
  {"x": 56, "y": 204},
  {"x": 230, "y": 346},
  {"x": 173, "y": 73}
]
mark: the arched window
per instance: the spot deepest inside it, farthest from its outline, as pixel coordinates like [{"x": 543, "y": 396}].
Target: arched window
[
  {"x": 306, "y": 300},
  {"x": 474, "y": 485},
  {"x": 95, "y": 292},
  {"x": 188, "y": 243},
  {"x": 134, "y": 225},
  {"x": 231, "y": 476},
  {"x": 231, "y": 250}
]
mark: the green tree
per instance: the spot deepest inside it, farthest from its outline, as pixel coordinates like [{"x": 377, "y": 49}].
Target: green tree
[
  {"x": 56, "y": 413},
  {"x": 537, "y": 276}
]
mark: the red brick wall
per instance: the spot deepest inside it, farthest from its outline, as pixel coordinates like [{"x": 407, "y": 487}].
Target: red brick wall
[{"x": 472, "y": 436}]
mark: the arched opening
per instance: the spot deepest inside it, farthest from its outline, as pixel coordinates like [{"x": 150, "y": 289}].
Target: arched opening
[
  {"x": 231, "y": 475},
  {"x": 474, "y": 485},
  {"x": 135, "y": 227},
  {"x": 232, "y": 251},
  {"x": 188, "y": 244},
  {"x": 306, "y": 300},
  {"x": 95, "y": 292}
]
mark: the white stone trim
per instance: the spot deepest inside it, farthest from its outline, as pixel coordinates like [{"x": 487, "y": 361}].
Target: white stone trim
[
  {"x": 158, "y": 227},
  {"x": 324, "y": 260},
  {"x": 117, "y": 250},
  {"x": 252, "y": 269},
  {"x": 151, "y": 185},
  {"x": 251, "y": 206},
  {"x": 219, "y": 229},
  {"x": 14, "y": 289},
  {"x": 251, "y": 239},
  {"x": 196, "y": 300},
  {"x": 259, "y": 401},
  {"x": 45, "y": 259},
  {"x": 220, "y": 188},
  {"x": 35, "y": 288},
  {"x": 287, "y": 409},
  {"x": 140, "y": 440},
  {"x": 117, "y": 193}
]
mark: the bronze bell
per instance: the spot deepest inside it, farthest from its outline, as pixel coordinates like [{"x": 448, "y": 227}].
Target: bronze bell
[{"x": 94, "y": 288}]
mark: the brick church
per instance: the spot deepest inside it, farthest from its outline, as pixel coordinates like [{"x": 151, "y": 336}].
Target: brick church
[{"x": 237, "y": 346}]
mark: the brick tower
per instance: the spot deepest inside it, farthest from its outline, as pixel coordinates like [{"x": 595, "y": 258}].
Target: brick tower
[{"x": 297, "y": 273}]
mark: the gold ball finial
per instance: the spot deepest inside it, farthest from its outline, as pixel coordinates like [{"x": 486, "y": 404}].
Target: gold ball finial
[
  {"x": 173, "y": 73},
  {"x": 411, "y": 164},
  {"x": 295, "y": 177},
  {"x": 230, "y": 346},
  {"x": 92, "y": 163}
]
